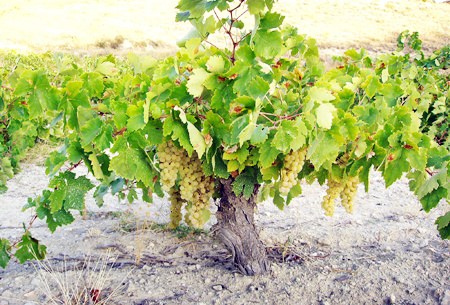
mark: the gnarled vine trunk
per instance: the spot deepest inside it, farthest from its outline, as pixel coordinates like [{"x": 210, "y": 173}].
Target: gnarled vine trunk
[{"x": 236, "y": 228}]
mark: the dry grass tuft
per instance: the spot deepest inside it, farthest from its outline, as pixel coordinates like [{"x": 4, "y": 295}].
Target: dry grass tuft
[{"x": 84, "y": 284}]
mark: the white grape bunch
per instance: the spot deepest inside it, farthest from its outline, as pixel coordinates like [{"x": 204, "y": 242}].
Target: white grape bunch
[
  {"x": 293, "y": 164},
  {"x": 348, "y": 193},
  {"x": 175, "y": 208},
  {"x": 333, "y": 192},
  {"x": 170, "y": 159},
  {"x": 196, "y": 188}
]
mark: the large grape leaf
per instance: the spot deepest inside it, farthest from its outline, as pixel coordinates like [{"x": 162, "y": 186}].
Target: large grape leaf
[
  {"x": 132, "y": 164},
  {"x": 267, "y": 44},
  {"x": 29, "y": 248},
  {"x": 195, "y": 83}
]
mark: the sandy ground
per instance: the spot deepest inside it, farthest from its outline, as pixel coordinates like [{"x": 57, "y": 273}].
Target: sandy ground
[
  {"x": 388, "y": 252},
  {"x": 149, "y": 26}
]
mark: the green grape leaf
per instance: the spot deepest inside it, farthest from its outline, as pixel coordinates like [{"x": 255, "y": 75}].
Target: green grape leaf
[
  {"x": 216, "y": 64},
  {"x": 4, "y": 252},
  {"x": 372, "y": 85},
  {"x": 278, "y": 200},
  {"x": 267, "y": 44},
  {"x": 196, "y": 138},
  {"x": 318, "y": 94},
  {"x": 259, "y": 135},
  {"x": 178, "y": 132},
  {"x": 295, "y": 191},
  {"x": 255, "y": 6},
  {"x": 289, "y": 136},
  {"x": 69, "y": 192},
  {"x": 29, "y": 248},
  {"x": 54, "y": 162},
  {"x": 443, "y": 225},
  {"x": 395, "y": 169},
  {"x": 100, "y": 192},
  {"x": 244, "y": 184},
  {"x": 324, "y": 115},
  {"x": 96, "y": 168},
  {"x": 271, "y": 20},
  {"x": 431, "y": 200},
  {"x": 196, "y": 80},
  {"x": 193, "y": 9},
  {"x": 132, "y": 164},
  {"x": 136, "y": 119},
  {"x": 258, "y": 87},
  {"x": 268, "y": 154},
  {"x": 89, "y": 131},
  {"x": 323, "y": 149}
]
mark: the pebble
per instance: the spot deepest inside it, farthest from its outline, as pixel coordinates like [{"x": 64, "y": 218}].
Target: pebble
[
  {"x": 392, "y": 299},
  {"x": 4, "y": 303},
  {"x": 217, "y": 287},
  {"x": 424, "y": 243}
]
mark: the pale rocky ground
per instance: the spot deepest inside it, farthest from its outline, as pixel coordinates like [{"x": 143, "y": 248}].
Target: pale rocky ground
[{"x": 387, "y": 252}]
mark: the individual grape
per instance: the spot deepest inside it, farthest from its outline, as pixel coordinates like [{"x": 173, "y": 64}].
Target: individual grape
[
  {"x": 293, "y": 164},
  {"x": 175, "y": 208},
  {"x": 348, "y": 193},
  {"x": 333, "y": 192}
]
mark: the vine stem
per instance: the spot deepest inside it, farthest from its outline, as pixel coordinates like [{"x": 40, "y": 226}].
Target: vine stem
[{"x": 30, "y": 224}]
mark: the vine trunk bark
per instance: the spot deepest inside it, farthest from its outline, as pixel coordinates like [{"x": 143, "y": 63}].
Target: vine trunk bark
[{"x": 236, "y": 229}]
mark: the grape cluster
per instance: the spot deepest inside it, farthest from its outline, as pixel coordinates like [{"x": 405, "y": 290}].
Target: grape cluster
[
  {"x": 334, "y": 190},
  {"x": 175, "y": 207},
  {"x": 293, "y": 164},
  {"x": 170, "y": 159},
  {"x": 348, "y": 193},
  {"x": 197, "y": 188}
]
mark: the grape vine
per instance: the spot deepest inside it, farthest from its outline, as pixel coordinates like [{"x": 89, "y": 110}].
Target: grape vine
[{"x": 262, "y": 112}]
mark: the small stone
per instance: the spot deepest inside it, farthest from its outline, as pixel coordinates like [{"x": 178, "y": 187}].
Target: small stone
[
  {"x": 192, "y": 267},
  {"x": 166, "y": 264},
  {"x": 424, "y": 243},
  {"x": 217, "y": 287},
  {"x": 4, "y": 303},
  {"x": 343, "y": 277},
  {"x": 392, "y": 299},
  {"x": 207, "y": 281}
]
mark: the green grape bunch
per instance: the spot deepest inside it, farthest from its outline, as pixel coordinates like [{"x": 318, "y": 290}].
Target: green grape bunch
[
  {"x": 334, "y": 190},
  {"x": 293, "y": 164},
  {"x": 348, "y": 193}
]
